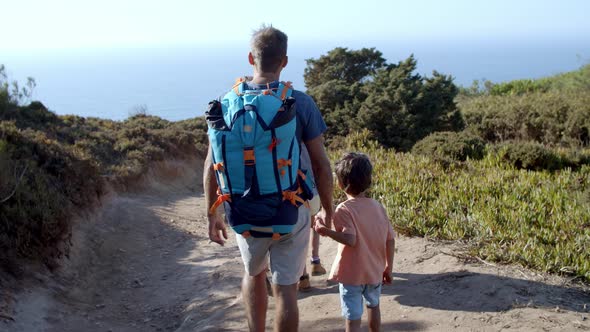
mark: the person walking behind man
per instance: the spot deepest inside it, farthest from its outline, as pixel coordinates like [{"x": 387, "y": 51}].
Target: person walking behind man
[{"x": 287, "y": 251}]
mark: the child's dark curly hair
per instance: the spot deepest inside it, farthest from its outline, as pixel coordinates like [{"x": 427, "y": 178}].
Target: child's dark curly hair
[{"x": 354, "y": 171}]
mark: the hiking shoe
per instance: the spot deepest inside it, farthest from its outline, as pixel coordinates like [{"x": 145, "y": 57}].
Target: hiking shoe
[
  {"x": 304, "y": 284},
  {"x": 317, "y": 269}
]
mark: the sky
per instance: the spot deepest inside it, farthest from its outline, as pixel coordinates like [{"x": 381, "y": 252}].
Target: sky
[{"x": 71, "y": 24}]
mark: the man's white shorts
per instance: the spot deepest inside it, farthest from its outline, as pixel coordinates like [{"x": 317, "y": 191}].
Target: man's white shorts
[{"x": 287, "y": 255}]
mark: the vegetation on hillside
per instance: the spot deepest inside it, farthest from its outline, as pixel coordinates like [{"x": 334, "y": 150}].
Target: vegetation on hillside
[{"x": 52, "y": 166}]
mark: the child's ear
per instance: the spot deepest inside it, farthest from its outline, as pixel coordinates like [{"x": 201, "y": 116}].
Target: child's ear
[{"x": 251, "y": 58}]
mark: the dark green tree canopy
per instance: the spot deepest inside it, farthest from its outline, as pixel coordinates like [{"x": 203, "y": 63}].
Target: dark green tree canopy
[{"x": 358, "y": 89}]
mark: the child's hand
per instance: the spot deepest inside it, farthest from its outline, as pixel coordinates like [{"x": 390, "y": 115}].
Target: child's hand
[
  {"x": 387, "y": 277},
  {"x": 320, "y": 229}
]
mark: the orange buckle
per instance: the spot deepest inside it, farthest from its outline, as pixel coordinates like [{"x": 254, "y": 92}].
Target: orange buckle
[
  {"x": 218, "y": 167},
  {"x": 292, "y": 197},
  {"x": 286, "y": 87},
  {"x": 275, "y": 141},
  {"x": 249, "y": 158},
  {"x": 303, "y": 176},
  {"x": 246, "y": 234},
  {"x": 219, "y": 201},
  {"x": 276, "y": 236}
]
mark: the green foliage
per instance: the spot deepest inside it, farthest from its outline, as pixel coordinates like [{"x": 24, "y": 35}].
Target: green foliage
[
  {"x": 518, "y": 87},
  {"x": 357, "y": 89},
  {"x": 529, "y": 155},
  {"x": 553, "y": 118},
  {"x": 448, "y": 146},
  {"x": 537, "y": 157},
  {"x": 577, "y": 80},
  {"x": 537, "y": 219}
]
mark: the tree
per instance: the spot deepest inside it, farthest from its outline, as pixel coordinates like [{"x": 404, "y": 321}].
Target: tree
[
  {"x": 336, "y": 81},
  {"x": 357, "y": 89}
]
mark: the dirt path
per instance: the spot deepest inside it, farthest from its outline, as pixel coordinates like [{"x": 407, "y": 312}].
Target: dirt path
[{"x": 144, "y": 263}]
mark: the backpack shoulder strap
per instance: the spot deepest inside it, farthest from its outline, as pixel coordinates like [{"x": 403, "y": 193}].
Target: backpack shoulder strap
[{"x": 284, "y": 90}]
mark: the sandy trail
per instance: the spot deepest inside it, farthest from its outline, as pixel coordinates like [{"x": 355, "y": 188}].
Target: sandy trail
[{"x": 144, "y": 263}]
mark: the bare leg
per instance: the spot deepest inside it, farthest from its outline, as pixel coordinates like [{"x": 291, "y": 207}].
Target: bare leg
[
  {"x": 256, "y": 300},
  {"x": 287, "y": 313},
  {"x": 353, "y": 325},
  {"x": 314, "y": 238},
  {"x": 374, "y": 318}
]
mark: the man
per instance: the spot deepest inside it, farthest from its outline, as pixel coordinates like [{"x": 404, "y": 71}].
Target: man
[{"x": 268, "y": 57}]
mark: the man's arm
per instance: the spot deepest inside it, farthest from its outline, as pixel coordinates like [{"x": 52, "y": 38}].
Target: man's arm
[
  {"x": 217, "y": 228},
  {"x": 322, "y": 171}
]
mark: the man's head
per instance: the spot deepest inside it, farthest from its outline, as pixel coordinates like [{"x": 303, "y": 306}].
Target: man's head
[{"x": 268, "y": 50}]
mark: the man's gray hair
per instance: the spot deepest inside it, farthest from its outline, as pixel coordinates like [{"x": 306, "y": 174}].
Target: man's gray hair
[{"x": 269, "y": 48}]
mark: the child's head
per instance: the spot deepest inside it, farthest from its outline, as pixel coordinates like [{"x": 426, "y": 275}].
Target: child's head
[{"x": 354, "y": 172}]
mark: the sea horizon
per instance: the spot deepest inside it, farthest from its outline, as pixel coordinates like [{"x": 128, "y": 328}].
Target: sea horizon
[{"x": 177, "y": 82}]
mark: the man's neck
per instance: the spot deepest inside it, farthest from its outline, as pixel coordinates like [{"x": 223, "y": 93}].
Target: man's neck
[{"x": 263, "y": 78}]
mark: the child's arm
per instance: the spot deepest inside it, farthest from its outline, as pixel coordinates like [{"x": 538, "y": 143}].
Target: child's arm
[
  {"x": 344, "y": 238},
  {"x": 388, "y": 273}
]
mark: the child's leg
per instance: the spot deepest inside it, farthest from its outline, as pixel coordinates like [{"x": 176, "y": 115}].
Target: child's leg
[
  {"x": 371, "y": 293},
  {"x": 351, "y": 299},
  {"x": 374, "y": 314},
  {"x": 353, "y": 325}
]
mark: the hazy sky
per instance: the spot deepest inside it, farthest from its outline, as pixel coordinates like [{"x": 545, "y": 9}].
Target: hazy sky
[{"x": 59, "y": 24}]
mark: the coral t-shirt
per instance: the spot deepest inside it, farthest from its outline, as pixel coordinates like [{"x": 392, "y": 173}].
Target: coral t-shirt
[{"x": 365, "y": 262}]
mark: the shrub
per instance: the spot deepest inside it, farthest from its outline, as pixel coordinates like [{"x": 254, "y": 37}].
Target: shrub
[
  {"x": 552, "y": 118},
  {"x": 451, "y": 146},
  {"x": 530, "y": 155}
]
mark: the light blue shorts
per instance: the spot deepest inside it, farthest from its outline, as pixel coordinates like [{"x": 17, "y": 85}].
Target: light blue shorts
[{"x": 351, "y": 298}]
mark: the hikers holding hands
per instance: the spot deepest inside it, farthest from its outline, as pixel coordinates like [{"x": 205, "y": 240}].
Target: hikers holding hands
[
  {"x": 252, "y": 169},
  {"x": 365, "y": 254}
]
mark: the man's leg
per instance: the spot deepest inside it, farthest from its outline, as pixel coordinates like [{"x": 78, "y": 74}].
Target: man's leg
[
  {"x": 254, "y": 252},
  {"x": 287, "y": 312},
  {"x": 287, "y": 260},
  {"x": 256, "y": 300}
]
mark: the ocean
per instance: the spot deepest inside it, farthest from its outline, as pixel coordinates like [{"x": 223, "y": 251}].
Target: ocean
[{"x": 177, "y": 82}]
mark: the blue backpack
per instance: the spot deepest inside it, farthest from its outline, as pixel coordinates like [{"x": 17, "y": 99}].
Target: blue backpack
[{"x": 255, "y": 150}]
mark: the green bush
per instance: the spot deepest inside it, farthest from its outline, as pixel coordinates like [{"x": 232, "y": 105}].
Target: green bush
[
  {"x": 529, "y": 155},
  {"x": 451, "y": 146},
  {"x": 552, "y": 118}
]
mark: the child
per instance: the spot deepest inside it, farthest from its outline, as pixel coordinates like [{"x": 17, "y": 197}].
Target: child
[{"x": 365, "y": 254}]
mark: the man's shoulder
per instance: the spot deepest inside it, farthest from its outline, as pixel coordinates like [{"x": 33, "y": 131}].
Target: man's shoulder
[{"x": 302, "y": 97}]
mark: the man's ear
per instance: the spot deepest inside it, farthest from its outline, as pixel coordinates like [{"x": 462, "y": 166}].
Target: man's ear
[
  {"x": 285, "y": 61},
  {"x": 251, "y": 58}
]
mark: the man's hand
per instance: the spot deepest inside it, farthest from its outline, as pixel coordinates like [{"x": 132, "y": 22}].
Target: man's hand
[
  {"x": 217, "y": 230},
  {"x": 324, "y": 218},
  {"x": 387, "y": 276},
  {"x": 320, "y": 229}
]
